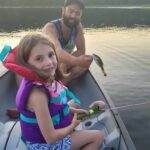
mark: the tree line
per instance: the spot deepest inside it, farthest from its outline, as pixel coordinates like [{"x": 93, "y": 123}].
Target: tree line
[{"x": 59, "y": 3}]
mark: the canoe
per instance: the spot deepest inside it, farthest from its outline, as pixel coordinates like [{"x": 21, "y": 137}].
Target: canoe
[{"x": 87, "y": 90}]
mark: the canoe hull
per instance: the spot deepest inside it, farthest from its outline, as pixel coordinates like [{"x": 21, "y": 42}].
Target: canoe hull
[{"x": 87, "y": 90}]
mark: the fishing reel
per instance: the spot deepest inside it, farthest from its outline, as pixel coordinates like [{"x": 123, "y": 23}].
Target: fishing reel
[{"x": 95, "y": 108}]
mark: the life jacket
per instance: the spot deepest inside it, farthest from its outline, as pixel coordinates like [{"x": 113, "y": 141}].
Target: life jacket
[
  {"x": 57, "y": 105},
  {"x": 68, "y": 44},
  {"x": 8, "y": 58}
]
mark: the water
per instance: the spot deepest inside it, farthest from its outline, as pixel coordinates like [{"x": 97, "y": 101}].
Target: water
[{"x": 126, "y": 56}]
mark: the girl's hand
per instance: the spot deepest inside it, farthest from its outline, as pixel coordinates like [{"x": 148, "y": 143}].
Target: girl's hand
[
  {"x": 82, "y": 111},
  {"x": 75, "y": 122}
]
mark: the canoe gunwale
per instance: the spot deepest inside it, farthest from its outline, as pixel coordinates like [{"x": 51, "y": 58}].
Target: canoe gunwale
[
  {"x": 124, "y": 133},
  {"x": 2, "y": 73}
]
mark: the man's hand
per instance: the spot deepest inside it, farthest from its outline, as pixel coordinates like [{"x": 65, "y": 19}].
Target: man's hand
[{"x": 84, "y": 61}]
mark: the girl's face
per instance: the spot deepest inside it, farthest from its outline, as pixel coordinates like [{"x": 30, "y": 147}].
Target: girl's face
[{"x": 43, "y": 57}]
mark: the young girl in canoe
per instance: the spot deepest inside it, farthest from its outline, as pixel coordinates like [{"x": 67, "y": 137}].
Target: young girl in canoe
[{"x": 44, "y": 111}]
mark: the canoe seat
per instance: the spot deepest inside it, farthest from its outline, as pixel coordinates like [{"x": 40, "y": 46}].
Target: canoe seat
[
  {"x": 1, "y": 126},
  {"x": 5, "y": 131},
  {"x": 104, "y": 122},
  {"x": 15, "y": 142}
]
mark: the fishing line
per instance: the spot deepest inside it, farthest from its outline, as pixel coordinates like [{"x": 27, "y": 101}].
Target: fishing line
[{"x": 127, "y": 106}]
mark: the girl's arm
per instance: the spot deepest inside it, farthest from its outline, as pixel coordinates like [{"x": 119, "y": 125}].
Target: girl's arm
[{"x": 38, "y": 103}]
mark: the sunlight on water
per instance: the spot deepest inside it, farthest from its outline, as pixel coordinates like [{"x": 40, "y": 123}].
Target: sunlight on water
[
  {"x": 103, "y": 41},
  {"x": 12, "y": 39}
]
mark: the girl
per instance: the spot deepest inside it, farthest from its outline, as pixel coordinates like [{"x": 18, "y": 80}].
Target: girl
[{"x": 44, "y": 112}]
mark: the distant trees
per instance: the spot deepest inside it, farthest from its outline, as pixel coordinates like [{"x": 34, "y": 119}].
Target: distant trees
[
  {"x": 31, "y": 3},
  {"x": 58, "y": 3},
  {"x": 116, "y": 2}
]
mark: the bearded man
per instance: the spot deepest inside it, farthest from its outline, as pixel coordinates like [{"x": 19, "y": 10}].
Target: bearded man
[{"x": 67, "y": 33}]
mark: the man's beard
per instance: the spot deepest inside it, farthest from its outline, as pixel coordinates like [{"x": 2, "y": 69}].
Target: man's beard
[{"x": 70, "y": 24}]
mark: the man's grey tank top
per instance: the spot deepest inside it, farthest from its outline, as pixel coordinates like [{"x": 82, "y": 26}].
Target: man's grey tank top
[{"x": 69, "y": 44}]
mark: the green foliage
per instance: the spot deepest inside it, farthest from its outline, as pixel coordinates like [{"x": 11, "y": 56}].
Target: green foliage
[{"x": 59, "y": 3}]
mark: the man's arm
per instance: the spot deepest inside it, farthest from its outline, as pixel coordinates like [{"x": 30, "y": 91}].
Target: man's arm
[
  {"x": 79, "y": 41},
  {"x": 50, "y": 30}
]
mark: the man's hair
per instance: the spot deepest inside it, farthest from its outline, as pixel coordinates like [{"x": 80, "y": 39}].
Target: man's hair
[{"x": 79, "y": 2}]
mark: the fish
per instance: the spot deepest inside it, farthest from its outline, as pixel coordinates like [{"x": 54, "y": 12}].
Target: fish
[{"x": 100, "y": 63}]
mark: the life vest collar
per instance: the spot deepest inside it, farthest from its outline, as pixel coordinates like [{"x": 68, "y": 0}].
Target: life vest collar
[{"x": 8, "y": 56}]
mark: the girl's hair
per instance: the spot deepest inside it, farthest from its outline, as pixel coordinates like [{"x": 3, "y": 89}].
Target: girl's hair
[{"x": 25, "y": 47}]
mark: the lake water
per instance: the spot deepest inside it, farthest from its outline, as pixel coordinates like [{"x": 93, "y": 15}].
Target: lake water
[{"x": 126, "y": 56}]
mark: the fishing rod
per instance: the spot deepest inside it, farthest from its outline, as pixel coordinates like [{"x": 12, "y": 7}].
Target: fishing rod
[
  {"x": 99, "y": 107},
  {"x": 100, "y": 63}
]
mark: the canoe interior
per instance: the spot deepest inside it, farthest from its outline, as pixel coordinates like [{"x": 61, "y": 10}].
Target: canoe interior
[
  {"x": 87, "y": 90},
  {"x": 8, "y": 88}
]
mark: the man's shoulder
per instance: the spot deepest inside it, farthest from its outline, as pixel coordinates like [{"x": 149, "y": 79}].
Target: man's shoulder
[
  {"x": 80, "y": 26},
  {"x": 79, "y": 29},
  {"x": 55, "y": 21},
  {"x": 50, "y": 26},
  {"x": 54, "y": 24}
]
